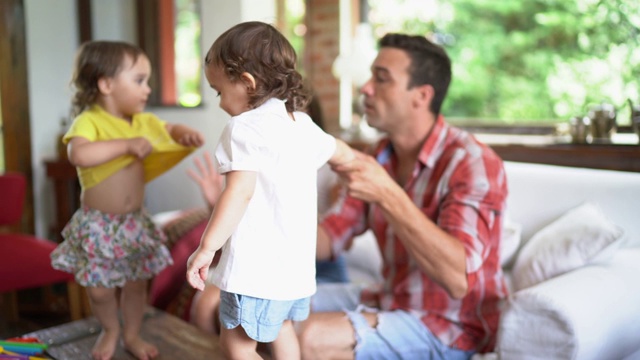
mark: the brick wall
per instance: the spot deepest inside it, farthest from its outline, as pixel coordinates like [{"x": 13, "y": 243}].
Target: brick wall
[{"x": 321, "y": 49}]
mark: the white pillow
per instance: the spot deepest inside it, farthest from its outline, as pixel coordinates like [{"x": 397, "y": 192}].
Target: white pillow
[
  {"x": 582, "y": 236},
  {"x": 510, "y": 241}
]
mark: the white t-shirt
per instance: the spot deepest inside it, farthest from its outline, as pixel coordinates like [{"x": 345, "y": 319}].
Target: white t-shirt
[{"x": 271, "y": 254}]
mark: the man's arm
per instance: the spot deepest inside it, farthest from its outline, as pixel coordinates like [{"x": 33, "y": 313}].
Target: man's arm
[{"x": 439, "y": 255}]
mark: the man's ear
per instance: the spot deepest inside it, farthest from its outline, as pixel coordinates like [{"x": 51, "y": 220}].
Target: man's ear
[
  {"x": 104, "y": 85},
  {"x": 248, "y": 80},
  {"x": 423, "y": 96}
]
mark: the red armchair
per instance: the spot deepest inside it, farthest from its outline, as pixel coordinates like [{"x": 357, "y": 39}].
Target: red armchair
[{"x": 24, "y": 258}]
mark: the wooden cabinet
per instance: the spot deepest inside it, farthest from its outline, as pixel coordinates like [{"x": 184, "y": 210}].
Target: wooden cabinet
[{"x": 66, "y": 190}]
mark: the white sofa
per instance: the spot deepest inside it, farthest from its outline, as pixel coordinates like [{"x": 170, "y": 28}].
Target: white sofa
[{"x": 590, "y": 312}]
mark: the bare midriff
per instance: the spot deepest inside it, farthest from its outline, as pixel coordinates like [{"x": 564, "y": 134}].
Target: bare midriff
[{"x": 120, "y": 193}]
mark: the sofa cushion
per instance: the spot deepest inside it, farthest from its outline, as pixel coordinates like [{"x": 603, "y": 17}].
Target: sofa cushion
[
  {"x": 510, "y": 241},
  {"x": 581, "y": 236},
  {"x": 588, "y": 314}
]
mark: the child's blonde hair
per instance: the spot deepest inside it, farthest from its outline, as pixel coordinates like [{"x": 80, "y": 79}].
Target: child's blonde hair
[
  {"x": 95, "y": 60},
  {"x": 262, "y": 51}
]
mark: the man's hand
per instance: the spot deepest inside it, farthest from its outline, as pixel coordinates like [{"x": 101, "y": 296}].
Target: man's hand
[
  {"x": 364, "y": 178},
  {"x": 210, "y": 182}
]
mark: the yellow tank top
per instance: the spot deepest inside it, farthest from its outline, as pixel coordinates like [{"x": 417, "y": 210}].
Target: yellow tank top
[{"x": 95, "y": 124}]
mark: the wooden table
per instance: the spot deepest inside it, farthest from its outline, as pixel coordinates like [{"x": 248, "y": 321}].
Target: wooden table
[{"x": 174, "y": 338}]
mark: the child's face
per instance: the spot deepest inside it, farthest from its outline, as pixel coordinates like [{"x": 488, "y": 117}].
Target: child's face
[
  {"x": 130, "y": 87},
  {"x": 234, "y": 98}
]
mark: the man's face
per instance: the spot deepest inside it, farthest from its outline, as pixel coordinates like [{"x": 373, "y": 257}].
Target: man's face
[{"x": 387, "y": 99}]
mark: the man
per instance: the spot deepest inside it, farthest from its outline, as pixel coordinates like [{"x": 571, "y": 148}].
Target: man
[{"x": 434, "y": 197}]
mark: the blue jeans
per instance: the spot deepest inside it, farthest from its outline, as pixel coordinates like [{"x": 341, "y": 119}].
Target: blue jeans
[
  {"x": 332, "y": 271},
  {"x": 398, "y": 335}
]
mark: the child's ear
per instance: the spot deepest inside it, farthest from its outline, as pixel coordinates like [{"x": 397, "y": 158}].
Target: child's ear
[
  {"x": 104, "y": 85},
  {"x": 249, "y": 80}
]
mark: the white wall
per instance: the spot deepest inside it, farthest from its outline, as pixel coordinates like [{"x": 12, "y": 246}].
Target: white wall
[
  {"x": 175, "y": 190},
  {"x": 51, "y": 44},
  {"x": 114, "y": 20}
]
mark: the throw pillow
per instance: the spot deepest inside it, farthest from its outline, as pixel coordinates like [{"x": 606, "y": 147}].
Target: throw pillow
[
  {"x": 582, "y": 236},
  {"x": 510, "y": 241}
]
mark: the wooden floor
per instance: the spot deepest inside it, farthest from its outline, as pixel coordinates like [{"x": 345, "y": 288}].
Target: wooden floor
[{"x": 174, "y": 338}]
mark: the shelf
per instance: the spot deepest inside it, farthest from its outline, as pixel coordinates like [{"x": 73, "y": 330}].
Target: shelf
[{"x": 595, "y": 156}]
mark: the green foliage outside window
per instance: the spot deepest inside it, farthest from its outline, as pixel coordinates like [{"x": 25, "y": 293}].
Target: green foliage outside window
[
  {"x": 295, "y": 28},
  {"x": 188, "y": 63},
  {"x": 527, "y": 61}
]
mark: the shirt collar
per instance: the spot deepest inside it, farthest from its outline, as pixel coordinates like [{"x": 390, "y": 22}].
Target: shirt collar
[
  {"x": 274, "y": 105},
  {"x": 434, "y": 144},
  {"x": 100, "y": 110},
  {"x": 431, "y": 148}
]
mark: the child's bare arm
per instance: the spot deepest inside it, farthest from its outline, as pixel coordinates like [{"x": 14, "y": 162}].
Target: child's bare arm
[
  {"x": 226, "y": 215},
  {"x": 185, "y": 135},
  {"x": 85, "y": 153},
  {"x": 343, "y": 153}
]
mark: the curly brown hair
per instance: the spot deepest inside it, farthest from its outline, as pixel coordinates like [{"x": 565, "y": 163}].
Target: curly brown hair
[
  {"x": 95, "y": 60},
  {"x": 262, "y": 51}
]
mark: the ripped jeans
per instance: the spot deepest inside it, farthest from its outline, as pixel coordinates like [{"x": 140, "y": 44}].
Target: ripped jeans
[{"x": 398, "y": 335}]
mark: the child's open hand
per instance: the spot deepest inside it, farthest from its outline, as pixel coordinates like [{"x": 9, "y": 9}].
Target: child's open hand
[
  {"x": 139, "y": 147},
  {"x": 211, "y": 183}
]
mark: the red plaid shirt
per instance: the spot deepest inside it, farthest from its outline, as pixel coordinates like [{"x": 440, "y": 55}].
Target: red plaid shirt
[{"x": 460, "y": 184}]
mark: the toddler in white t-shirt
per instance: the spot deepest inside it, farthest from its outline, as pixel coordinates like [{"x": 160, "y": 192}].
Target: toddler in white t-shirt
[{"x": 265, "y": 220}]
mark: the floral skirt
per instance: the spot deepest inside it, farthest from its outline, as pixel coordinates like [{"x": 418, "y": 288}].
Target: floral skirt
[{"x": 110, "y": 249}]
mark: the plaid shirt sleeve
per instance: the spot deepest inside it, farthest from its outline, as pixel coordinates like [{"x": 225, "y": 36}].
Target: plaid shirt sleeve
[{"x": 344, "y": 221}]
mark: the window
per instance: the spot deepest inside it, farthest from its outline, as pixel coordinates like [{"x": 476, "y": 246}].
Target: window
[
  {"x": 528, "y": 61},
  {"x": 188, "y": 59},
  {"x": 292, "y": 26},
  {"x": 169, "y": 32}
]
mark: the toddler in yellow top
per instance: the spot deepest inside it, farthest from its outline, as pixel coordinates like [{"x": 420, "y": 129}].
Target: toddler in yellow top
[{"x": 111, "y": 244}]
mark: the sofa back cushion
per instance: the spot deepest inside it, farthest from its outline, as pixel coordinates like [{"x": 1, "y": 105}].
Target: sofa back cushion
[{"x": 540, "y": 194}]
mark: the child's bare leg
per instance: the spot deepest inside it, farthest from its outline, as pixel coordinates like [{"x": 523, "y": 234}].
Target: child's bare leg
[
  {"x": 133, "y": 303},
  {"x": 286, "y": 346},
  {"x": 237, "y": 345},
  {"x": 204, "y": 311},
  {"x": 104, "y": 304}
]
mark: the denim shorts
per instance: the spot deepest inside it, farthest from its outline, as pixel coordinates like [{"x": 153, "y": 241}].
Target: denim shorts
[
  {"x": 398, "y": 335},
  {"x": 261, "y": 319}
]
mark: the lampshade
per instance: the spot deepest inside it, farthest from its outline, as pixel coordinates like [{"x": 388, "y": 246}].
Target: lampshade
[{"x": 358, "y": 61}]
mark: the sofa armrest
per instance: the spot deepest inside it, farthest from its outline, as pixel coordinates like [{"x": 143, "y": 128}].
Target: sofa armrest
[{"x": 589, "y": 313}]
